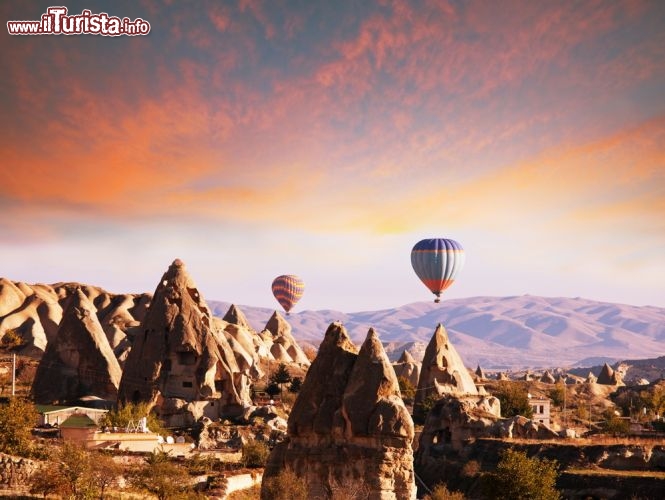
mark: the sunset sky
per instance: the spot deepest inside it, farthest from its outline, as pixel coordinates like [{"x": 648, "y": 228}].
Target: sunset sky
[{"x": 324, "y": 139}]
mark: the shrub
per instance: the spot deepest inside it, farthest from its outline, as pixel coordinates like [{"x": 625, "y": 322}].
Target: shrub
[
  {"x": 255, "y": 454},
  {"x": 441, "y": 492},
  {"x": 161, "y": 477},
  {"x": 296, "y": 384},
  {"x": 423, "y": 408},
  {"x": 407, "y": 389},
  {"x": 128, "y": 413},
  {"x": 348, "y": 489},
  {"x": 285, "y": 486},
  {"x": 273, "y": 389},
  {"x": 557, "y": 394},
  {"x": 12, "y": 339},
  {"x": 470, "y": 469},
  {"x": 518, "y": 477},
  {"x": 614, "y": 424},
  {"x": 17, "y": 418},
  {"x": 514, "y": 399}
]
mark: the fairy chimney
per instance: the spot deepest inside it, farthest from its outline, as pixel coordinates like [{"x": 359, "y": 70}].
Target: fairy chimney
[
  {"x": 178, "y": 354},
  {"x": 408, "y": 368},
  {"x": 349, "y": 426},
  {"x": 79, "y": 360},
  {"x": 443, "y": 372}
]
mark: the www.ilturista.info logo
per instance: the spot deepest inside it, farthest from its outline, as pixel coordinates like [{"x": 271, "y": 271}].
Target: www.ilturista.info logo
[{"x": 56, "y": 22}]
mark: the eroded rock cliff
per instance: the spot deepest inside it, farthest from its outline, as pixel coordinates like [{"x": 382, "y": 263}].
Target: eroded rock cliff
[{"x": 349, "y": 427}]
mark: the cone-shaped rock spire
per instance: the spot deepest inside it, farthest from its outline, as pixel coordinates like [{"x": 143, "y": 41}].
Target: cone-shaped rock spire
[
  {"x": 79, "y": 360},
  {"x": 479, "y": 373},
  {"x": 236, "y": 317},
  {"x": 547, "y": 378},
  {"x": 284, "y": 347},
  {"x": 443, "y": 371},
  {"x": 372, "y": 400},
  {"x": 321, "y": 392},
  {"x": 608, "y": 376},
  {"x": 349, "y": 421},
  {"x": 408, "y": 368},
  {"x": 177, "y": 352},
  {"x": 406, "y": 357}
]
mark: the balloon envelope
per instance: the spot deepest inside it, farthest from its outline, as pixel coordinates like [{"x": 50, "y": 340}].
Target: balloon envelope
[
  {"x": 288, "y": 289},
  {"x": 437, "y": 261}
]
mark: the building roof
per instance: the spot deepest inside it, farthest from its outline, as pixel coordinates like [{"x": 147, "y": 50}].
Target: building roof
[
  {"x": 78, "y": 421},
  {"x": 44, "y": 409}
]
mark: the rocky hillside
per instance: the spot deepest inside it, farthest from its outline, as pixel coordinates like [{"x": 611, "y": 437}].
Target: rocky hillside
[
  {"x": 500, "y": 332},
  {"x": 31, "y": 316}
]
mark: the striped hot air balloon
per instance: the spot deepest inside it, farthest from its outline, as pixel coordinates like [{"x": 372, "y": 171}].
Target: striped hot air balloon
[
  {"x": 288, "y": 290},
  {"x": 437, "y": 261}
]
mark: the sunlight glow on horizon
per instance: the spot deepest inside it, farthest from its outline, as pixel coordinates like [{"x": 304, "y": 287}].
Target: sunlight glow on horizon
[{"x": 253, "y": 141}]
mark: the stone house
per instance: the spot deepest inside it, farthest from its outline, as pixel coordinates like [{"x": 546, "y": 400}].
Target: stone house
[{"x": 541, "y": 409}]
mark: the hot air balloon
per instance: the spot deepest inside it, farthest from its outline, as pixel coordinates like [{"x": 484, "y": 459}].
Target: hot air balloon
[
  {"x": 288, "y": 290},
  {"x": 437, "y": 261}
]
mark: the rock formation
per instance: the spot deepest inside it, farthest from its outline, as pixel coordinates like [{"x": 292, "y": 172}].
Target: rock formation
[
  {"x": 79, "y": 360},
  {"x": 443, "y": 372},
  {"x": 547, "y": 378},
  {"x": 283, "y": 346},
  {"x": 408, "y": 368},
  {"x": 35, "y": 311},
  {"x": 480, "y": 374},
  {"x": 180, "y": 360},
  {"x": 247, "y": 346},
  {"x": 454, "y": 420},
  {"x": 236, "y": 317},
  {"x": 349, "y": 425},
  {"x": 608, "y": 376}
]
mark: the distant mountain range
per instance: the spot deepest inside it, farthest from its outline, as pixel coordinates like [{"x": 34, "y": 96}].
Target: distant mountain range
[{"x": 499, "y": 333}]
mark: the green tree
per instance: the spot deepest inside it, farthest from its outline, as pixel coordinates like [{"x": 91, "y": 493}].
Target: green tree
[
  {"x": 105, "y": 473},
  {"x": 423, "y": 408},
  {"x": 123, "y": 415},
  {"x": 12, "y": 339},
  {"x": 48, "y": 481},
  {"x": 75, "y": 467},
  {"x": 407, "y": 389},
  {"x": 613, "y": 424},
  {"x": 296, "y": 385},
  {"x": 287, "y": 485},
  {"x": 281, "y": 377},
  {"x": 255, "y": 454},
  {"x": 17, "y": 418},
  {"x": 519, "y": 477},
  {"x": 160, "y": 476},
  {"x": 557, "y": 394},
  {"x": 273, "y": 389},
  {"x": 514, "y": 399}
]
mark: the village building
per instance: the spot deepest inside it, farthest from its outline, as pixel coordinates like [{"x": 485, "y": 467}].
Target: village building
[{"x": 541, "y": 409}]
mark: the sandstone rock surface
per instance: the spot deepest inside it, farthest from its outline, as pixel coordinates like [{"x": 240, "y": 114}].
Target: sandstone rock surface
[
  {"x": 34, "y": 312},
  {"x": 608, "y": 376},
  {"x": 407, "y": 367},
  {"x": 180, "y": 360},
  {"x": 443, "y": 372},
  {"x": 547, "y": 378},
  {"x": 79, "y": 360},
  {"x": 349, "y": 425},
  {"x": 279, "y": 339}
]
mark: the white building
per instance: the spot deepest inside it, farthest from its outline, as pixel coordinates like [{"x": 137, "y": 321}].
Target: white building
[{"x": 541, "y": 409}]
